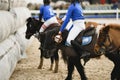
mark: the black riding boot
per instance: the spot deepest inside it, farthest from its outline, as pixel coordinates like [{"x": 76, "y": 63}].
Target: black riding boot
[{"x": 79, "y": 49}]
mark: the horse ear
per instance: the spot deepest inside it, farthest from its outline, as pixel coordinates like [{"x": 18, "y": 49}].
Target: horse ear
[
  {"x": 106, "y": 29},
  {"x": 104, "y": 24},
  {"x": 28, "y": 19}
]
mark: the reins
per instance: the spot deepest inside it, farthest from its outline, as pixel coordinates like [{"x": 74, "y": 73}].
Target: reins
[{"x": 110, "y": 47}]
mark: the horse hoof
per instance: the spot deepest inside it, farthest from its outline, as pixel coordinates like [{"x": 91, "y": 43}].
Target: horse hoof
[
  {"x": 55, "y": 71},
  {"x": 39, "y": 67},
  {"x": 68, "y": 78}
]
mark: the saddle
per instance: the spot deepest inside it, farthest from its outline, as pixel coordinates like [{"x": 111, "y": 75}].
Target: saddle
[
  {"x": 87, "y": 35},
  {"x": 86, "y": 51}
]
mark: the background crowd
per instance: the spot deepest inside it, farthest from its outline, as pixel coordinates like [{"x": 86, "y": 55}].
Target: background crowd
[{"x": 86, "y": 4}]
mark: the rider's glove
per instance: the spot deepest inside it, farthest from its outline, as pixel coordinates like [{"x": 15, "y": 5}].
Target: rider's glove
[{"x": 58, "y": 38}]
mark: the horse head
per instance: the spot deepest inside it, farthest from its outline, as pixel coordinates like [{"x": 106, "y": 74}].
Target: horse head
[
  {"x": 108, "y": 40},
  {"x": 33, "y": 26}
]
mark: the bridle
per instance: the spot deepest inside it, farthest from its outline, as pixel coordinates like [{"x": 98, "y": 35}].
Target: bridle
[{"x": 107, "y": 48}]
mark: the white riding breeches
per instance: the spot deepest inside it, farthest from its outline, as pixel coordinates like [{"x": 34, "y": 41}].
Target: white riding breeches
[
  {"x": 47, "y": 23},
  {"x": 78, "y": 26}
]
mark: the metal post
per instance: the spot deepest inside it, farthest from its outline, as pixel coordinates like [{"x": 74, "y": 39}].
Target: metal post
[
  {"x": 9, "y": 5},
  {"x": 117, "y": 14}
]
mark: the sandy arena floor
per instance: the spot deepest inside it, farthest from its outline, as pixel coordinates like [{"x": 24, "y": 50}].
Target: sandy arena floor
[{"x": 26, "y": 69}]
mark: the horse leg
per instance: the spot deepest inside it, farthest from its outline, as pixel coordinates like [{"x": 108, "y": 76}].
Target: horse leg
[
  {"x": 70, "y": 67},
  {"x": 115, "y": 74},
  {"x": 80, "y": 68},
  {"x": 56, "y": 57},
  {"x": 115, "y": 58},
  {"x": 41, "y": 61},
  {"x": 52, "y": 61}
]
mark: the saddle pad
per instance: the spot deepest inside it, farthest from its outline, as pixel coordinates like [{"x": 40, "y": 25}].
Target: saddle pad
[{"x": 86, "y": 40}]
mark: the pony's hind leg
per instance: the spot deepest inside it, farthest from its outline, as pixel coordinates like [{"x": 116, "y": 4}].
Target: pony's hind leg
[
  {"x": 75, "y": 61},
  {"x": 115, "y": 58},
  {"x": 56, "y": 57},
  {"x": 70, "y": 67},
  {"x": 41, "y": 61},
  {"x": 115, "y": 74},
  {"x": 52, "y": 62},
  {"x": 80, "y": 68}
]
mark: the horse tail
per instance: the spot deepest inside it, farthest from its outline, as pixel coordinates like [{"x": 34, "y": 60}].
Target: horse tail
[{"x": 64, "y": 56}]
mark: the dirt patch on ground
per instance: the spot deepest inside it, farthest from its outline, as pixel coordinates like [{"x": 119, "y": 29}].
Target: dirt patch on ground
[{"x": 26, "y": 69}]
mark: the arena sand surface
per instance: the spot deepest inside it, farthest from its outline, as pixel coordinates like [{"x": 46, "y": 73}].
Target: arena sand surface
[{"x": 26, "y": 69}]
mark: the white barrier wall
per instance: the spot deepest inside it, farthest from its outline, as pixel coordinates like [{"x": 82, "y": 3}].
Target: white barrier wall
[
  {"x": 20, "y": 15},
  {"x": 12, "y": 50},
  {"x": 11, "y": 21},
  {"x": 10, "y": 53},
  {"x": 7, "y": 23},
  {"x": 24, "y": 43},
  {"x": 13, "y": 43}
]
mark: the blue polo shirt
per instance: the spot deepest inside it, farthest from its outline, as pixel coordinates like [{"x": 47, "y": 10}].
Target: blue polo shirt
[
  {"x": 75, "y": 12},
  {"x": 47, "y": 12}
]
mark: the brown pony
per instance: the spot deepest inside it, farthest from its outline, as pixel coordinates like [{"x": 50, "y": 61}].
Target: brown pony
[
  {"x": 108, "y": 43},
  {"x": 109, "y": 38}
]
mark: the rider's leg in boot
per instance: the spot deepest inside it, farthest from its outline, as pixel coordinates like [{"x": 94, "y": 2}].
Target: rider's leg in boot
[
  {"x": 79, "y": 47},
  {"x": 75, "y": 44}
]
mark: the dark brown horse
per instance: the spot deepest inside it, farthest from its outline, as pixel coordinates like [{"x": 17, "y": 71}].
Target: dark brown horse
[
  {"x": 33, "y": 26},
  {"x": 73, "y": 53},
  {"x": 109, "y": 38},
  {"x": 108, "y": 43},
  {"x": 73, "y": 58}
]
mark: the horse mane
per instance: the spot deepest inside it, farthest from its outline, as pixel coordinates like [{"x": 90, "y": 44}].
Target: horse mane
[
  {"x": 108, "y": 27},
  {"x": 114, "y": 26},
  {"x": 90, "y": 23}
]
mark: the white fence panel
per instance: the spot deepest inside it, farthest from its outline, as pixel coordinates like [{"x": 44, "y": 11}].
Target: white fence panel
[{"x": 58, "y": 12}]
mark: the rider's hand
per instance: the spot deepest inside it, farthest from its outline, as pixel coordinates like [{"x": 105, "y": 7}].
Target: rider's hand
[
  {"x": 58, "y": 38},
  {"x": 59, "y": 33}
]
